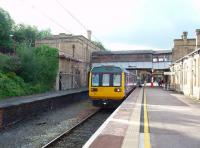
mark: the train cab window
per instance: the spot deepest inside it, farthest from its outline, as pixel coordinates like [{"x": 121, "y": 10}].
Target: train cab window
[
  {"x": 95, "y": 79},
  {"x": 116, "y": 80},
  {"x": 105, "y": 80}
]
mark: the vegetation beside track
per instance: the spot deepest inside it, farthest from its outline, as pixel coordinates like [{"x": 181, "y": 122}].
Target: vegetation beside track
[
  {"x": 31, "y": 70},
  {"x": 24, "y": 68}
]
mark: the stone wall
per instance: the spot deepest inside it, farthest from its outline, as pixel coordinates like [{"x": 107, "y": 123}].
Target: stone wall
[
  {"x": 197, "y": 38},
  {"x": 186, "y": 75},
  {"x": 75, "y": 55},
  {"x": 183, "y": 46},
  {"x": 185, "y": 69}
]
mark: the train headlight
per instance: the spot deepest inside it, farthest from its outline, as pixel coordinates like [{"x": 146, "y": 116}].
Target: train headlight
[{"x": 118, "y": 90}]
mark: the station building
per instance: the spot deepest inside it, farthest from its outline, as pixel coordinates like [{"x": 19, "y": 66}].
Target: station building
[
  {"x": 149, "y": 65},
  {"x": 185, "y": 71},
  {"x": 183, "y": 46},
  {"x": 74, "y": 58}
]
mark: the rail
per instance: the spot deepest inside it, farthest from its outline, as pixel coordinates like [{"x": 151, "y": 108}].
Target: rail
[{"x": 55, "y": 140}]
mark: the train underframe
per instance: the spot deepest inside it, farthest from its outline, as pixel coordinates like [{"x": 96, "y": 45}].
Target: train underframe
[{"x": 107, "y": 103}]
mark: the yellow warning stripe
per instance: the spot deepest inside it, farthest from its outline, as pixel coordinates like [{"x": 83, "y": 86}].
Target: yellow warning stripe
[{"x": 147, "y": 143}]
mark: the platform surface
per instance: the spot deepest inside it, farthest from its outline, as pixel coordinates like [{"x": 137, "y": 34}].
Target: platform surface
[
  {"x": 27, "y": 99},
  {"x": 151, "y": 118},
  {"x": 174, "y": 120}
]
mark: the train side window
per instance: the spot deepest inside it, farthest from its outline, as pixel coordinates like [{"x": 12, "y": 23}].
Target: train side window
[
  {"x": 95, "y": 79},
  {"x": 105, "y": 80},
  {"x": 116, "y": 80}
]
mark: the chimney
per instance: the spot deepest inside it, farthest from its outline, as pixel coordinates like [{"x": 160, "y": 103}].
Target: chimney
[
  {"x": 89, "y": 33},
  {"x": 197, "y": 38},
  {"x": 184, "y": 36}
]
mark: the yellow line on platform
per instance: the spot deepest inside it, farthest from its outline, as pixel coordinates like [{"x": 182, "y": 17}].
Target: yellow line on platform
[{"x": 147, "y": 143}]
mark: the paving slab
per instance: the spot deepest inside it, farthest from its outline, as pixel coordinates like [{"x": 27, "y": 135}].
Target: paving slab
[
  {"x": 116, "y": 130},
  {"x": 174, "y": 120},
  {"x": 153, "y": 118}
]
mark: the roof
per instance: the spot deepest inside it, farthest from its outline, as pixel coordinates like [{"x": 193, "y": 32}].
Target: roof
[
  {"x": 110, "y": 68},
  {"x": 63, "y": 36},
  {"x": 162, "y": 51},
  {"x": 66, "y": 36},
  {"x": 192, "y": 39},
  {"x": 186, "y": 56},
  {"x": 132, "y": 52}
]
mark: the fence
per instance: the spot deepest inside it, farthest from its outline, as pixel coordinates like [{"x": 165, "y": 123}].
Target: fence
[{"x": 69, "y": 81}]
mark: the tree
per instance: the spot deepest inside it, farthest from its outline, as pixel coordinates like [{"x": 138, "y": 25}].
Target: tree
[
  {"x": 24, "y": 34},
  {"x": 6, "y": 26},
  {"x": 44, "y": 33},
  {"x": 38, "y": 65},
  {"x": 47, "y": 64},
  {"x": 99, "y": 44},
  {"x": 28, "y": 64},
  {"x": 28, "y": 34}
]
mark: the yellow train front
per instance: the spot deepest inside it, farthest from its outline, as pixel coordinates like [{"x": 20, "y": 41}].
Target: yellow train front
[{"x": 109, "y": 85}]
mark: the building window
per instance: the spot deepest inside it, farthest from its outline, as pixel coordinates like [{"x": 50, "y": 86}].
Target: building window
[
  {"x": 160, "y": 59},
  {"x": 155, "y": 59},
  {"x": 105, "y": 80},
  {"x": 166, "y": 58}
]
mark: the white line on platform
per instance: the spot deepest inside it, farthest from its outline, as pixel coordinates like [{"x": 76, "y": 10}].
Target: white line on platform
[
  {"x": 141, "y": 142},
  {"x": 99, "y": 131}
]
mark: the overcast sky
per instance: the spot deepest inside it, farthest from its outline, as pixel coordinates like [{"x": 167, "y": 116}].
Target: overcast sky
[{"x": 118, "y": 24}]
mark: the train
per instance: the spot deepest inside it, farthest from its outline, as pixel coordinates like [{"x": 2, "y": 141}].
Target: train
[{"x": 109, "y": 85}]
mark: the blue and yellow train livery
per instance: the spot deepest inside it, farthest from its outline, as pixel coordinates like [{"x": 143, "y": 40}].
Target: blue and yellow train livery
[{"x": 109, "y": 85}]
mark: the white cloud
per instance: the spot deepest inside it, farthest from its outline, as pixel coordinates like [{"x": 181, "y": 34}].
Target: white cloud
[
  {"x": 118, "y": 24},
  {"x": 121, "y": 46}
]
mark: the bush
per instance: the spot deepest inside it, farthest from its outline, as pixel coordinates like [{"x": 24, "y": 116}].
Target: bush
[
  {"x": 9, "y": 63},
  {"x": 33, "y": 70},
  {"x": 39, "y": 65},
  {"x": 3, "y": 60},
  {"x": 28, "y": 64},
  {"x": 11, "y": 85},
  {"x": 38, "y": 88},
  {"x": 47, "y": 65}
]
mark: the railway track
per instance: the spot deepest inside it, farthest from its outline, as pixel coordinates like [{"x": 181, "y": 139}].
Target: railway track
[{"x": 81, "y": 132}]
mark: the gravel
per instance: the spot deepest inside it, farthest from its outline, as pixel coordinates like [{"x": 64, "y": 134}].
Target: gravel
[
  {"x": 38, "y": 130},
  {"x": 78, "y": 137}
]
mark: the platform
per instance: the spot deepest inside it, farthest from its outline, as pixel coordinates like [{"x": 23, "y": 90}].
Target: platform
[
  {"x": 15, "y": 109},
  {"x": 151, "y": 118}
]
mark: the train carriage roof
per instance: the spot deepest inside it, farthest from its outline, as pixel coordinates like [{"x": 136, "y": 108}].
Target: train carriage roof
[{"x": 108, "y": 69}]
